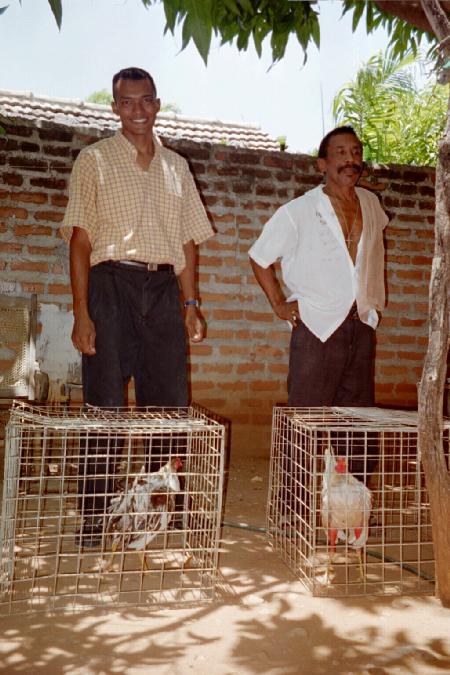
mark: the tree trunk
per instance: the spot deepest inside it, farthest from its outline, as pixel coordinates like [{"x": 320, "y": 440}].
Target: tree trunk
[{"x": 431, "y": 389}]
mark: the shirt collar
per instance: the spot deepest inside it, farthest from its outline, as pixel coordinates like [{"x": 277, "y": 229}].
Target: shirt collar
[{"x": 130, "y": 149}]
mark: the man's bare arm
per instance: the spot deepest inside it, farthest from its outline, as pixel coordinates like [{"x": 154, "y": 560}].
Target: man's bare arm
[
  {"x": 194, "y": 322},
  {"x": 83, "y": 333},
  {"x": 270, "y": 285}
]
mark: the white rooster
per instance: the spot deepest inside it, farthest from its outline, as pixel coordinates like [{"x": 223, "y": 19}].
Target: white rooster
[
  {"x": 144, "y": 509},
  {"x": 346, "y": 505}
]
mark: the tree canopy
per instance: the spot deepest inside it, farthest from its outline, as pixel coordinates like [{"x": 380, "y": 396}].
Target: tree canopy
[
  {"x": 396, "y": 119},
  {"x": 239, "y": 21}
]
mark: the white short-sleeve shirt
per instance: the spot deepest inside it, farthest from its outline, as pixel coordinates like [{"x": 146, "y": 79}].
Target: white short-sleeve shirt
[{"x": 305, "y": 234}]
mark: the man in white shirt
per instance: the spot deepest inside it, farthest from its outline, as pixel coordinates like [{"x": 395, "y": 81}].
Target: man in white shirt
[{"x": 330, "y": 243}]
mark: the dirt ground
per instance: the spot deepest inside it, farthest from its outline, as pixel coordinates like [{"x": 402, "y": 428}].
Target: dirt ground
[{"x": 263, "y": 620}]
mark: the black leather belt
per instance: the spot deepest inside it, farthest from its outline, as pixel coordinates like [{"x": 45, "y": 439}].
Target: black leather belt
[
  {"x": 142, "y": 266},
  {"x": 353, "y": 313}
]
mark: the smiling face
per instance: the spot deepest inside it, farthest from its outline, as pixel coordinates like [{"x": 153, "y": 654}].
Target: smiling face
[
  {"x": 137, "y": 106},
  {"x": 343, "y": 162}
]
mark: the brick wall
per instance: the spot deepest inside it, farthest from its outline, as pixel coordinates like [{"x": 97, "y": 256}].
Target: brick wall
[{"x": 240, "y": 370}]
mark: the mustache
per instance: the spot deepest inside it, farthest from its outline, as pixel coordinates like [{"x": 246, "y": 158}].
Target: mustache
[{"x": 356, "y": 167}]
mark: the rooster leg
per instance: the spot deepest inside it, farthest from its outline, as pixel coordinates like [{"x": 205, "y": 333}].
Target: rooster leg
[
  {"x": 143, "y": 559},
  {"x": 114, "y": 547},
  {"x": 332, "y": 536},
  {"x": 362, "y": 574},
  {"x": 359, "y": 551}
]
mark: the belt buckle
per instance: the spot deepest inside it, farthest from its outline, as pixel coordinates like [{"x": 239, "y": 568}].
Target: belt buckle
[{"x": 152, "y": 267}]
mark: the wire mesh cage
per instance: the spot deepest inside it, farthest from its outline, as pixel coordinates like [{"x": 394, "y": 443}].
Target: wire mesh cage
[
  {"x": 348, "y": 510},
  {"x": 110, "y": 507}
]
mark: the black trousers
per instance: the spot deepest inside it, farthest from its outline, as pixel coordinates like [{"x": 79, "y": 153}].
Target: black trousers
[
  {"x": 139, "y": 333},
  {"x": 337, "y": 372}
]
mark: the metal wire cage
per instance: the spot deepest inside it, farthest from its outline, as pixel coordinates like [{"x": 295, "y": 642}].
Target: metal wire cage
[
  {"x": 44, "y": 565},
  {"x": 380, "y": 449}
]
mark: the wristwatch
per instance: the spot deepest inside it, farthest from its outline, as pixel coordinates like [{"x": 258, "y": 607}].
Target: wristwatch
[{"x": 191, "y": 301}]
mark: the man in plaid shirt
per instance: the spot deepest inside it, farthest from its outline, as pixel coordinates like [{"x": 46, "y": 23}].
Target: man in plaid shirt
[{"x": 133, "y": 221}]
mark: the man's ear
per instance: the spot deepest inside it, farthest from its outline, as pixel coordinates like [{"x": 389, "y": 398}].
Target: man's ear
[
  {"x": 322, "y": 164},
  {"x": 114, "y": 107}
]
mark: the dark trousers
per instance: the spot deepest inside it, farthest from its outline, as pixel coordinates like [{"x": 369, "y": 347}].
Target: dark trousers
[
  {"x": 139, "y": 333},
  {"x": 338, "y": 372}
]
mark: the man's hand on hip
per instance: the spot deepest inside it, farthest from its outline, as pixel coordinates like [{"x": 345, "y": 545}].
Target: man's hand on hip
[{"x": 288, "y": 311}]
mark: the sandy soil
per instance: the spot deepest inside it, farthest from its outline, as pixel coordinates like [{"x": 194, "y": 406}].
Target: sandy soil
[{"x": 263, "y": 621}]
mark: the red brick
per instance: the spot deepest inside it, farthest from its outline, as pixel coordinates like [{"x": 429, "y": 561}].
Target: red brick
[
  {"x": 26, "y": 146},
  {"x": 223, "y": 218},
  {"x": 59, "y": 200},
  {"x": 58, "y": 135},
  {"x": 53, "y": 216},
  {"x": 222, "y": 368},
  {"x": 59, "y": 289},
  {"x": 411, "y": 356},
  {"x": 30, "y": 163},
  {"x": 244, "y": 368},
  {"x": 227, "y": 314},
  {"x": 60, "y": 167},
  {"x": 264, "y": 190},
  {"x": 259, "y": 316},
  {"x": 279, "y": 161},
  {"x": 33, "y": 197},
  {"x": 278, "y": 368},
  {"x": 49, "y": 183},
  {"x": 13, "y": 212},
  {"x": 264, "y": 385},
  {"x": 12, "y": 179},
  {"x": 255, "y": 172},
  {"x": 233, "y": 350},
  {"x": 57, "y": 150},
  {"x": 233, "y": 386},
  {"x": 32, "y": 287},
  {"x": 42, "y": 250},
  {"x": 17, "y": 130},
  {"x": 10, "y": 247},
  {"x": 30, "y": 266},
  {"x": 406, "y": 321},
  {"x": 415, "y": 290},
  {"x": 25, "y": 230},
  {"x": 199, "y": 349}
]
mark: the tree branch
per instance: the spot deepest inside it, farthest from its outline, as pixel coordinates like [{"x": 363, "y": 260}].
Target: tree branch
[{"x": 410, "y": 11}]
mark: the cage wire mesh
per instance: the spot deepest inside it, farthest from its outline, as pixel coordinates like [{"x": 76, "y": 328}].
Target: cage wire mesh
[
  {"x": 375, "y": 479},
  {"x": 158, "y": 529}
]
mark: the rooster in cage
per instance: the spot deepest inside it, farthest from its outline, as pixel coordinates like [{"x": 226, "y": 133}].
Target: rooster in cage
[
  {"x": 346, "y": 506},
  {"x": 144, "y": 509}
]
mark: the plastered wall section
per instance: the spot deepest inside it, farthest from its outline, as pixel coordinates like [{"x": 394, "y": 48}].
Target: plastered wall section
[{"x": 240, "y": 370}]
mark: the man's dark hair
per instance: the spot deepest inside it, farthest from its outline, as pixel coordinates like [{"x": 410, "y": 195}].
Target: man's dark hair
[
  {"x": 323, "y": 147},
  {"x": 132, "y": 74}
]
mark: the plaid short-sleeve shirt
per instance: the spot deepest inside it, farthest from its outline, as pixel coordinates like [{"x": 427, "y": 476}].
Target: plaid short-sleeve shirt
[{"x": 130, "y": 213}]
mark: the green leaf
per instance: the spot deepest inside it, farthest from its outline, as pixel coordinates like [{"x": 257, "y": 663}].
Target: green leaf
[
  {"x": 198, "y": 26},
  {"x": 3, "y": 9},
  {"x": 232, "y": 6},
  {"x": 56, "y": 7},
  {"x": 357, "y": 14}
]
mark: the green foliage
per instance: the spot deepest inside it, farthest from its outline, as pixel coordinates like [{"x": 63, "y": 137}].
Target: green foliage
[
  {"x": 171, "y": 107},
  {"x": 238, "y": 21},
  {"x": 3, "y": 9},
  {"x": 241, "y": 20},
  {"x": 103, "y": 96},
  {"x": 395, "y": 119},
  {"x": 403, "y": 36}
]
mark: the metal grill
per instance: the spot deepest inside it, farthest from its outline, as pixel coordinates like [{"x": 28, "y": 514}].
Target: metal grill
[
  {"x": 43, "y": 566},
  {"x": 380, "y": 448}
]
